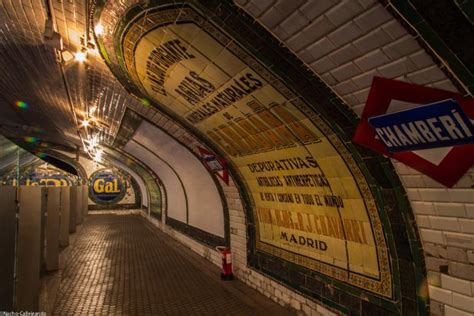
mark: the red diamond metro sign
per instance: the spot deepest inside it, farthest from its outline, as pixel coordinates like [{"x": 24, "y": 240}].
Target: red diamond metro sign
[
  {"x": 446, "y": 164},
  {"x": 215, "y": 164}
]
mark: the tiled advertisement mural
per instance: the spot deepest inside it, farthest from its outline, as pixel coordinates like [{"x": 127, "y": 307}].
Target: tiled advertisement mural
[
  {"x": 311, "y": 210},
  {"x": 318, "y": 209}
]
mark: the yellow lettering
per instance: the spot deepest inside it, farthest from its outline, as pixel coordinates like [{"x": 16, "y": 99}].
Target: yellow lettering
[
  {"x": 99, "y": 185},
  {"x": 109, "y": 187},
  {"x": 50, "y": 182}
]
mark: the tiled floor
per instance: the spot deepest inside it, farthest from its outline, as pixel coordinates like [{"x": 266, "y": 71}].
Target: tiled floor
[{"x": 123, "y": 265}]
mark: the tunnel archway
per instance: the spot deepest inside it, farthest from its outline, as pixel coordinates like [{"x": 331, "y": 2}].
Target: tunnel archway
[
  {"x": 193, "y": 199},
  {"x": 152, "y": 191},
  {"x": 279, "y": 127}
]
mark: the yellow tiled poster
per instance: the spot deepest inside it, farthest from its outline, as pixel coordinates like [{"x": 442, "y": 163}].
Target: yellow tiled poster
[{"x": 311, "y": 203}]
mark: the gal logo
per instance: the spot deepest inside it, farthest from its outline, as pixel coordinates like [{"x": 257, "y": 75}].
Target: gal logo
[{"x": 106, "y": 187}]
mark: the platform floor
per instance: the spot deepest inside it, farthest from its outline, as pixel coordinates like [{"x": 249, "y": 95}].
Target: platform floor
[{"x": 122, "y": 265}]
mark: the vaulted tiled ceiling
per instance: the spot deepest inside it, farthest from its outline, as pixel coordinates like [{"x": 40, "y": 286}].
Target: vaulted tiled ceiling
[
  {"x": 346, "y": 43},
  {"x": 13, "y": 157},
  {"x": 32, "y": 73}
]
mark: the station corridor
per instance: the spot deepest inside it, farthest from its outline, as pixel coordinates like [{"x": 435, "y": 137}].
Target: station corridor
[{"x": 121, "y": 265}]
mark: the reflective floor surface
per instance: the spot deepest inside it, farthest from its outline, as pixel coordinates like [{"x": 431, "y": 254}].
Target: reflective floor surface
[{"x": 121, "y": 265}]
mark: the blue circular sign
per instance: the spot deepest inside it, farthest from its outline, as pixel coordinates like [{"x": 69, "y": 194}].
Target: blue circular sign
[{"x": 106, "y": 187}]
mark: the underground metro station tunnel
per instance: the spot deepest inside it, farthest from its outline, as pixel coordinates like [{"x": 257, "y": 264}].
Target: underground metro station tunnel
[{"x": 248, "y": 157}]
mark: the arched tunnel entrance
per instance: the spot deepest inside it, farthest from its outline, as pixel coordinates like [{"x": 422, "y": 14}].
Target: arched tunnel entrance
[{"x": 324, "y": 145}]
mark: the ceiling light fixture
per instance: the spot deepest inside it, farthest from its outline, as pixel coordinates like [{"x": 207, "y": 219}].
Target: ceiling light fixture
[
  {"x": 85, "y": 123},
  {"x": 80, "y": 57},
  {"x": 99, "y": 29},
  {"x": 98, "y": 155}
]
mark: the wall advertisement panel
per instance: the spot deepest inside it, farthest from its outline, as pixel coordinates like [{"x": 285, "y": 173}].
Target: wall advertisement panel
[
  {"x": 43, "y": 175},
  {"x": 312, "y": 204}
]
